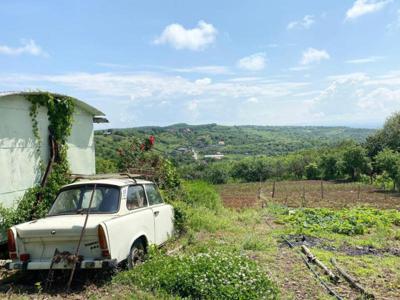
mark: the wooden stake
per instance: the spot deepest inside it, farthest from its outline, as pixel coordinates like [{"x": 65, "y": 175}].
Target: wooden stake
[
  {"x": 273, "y": 189},
  {"x": 322, "y": 189}
]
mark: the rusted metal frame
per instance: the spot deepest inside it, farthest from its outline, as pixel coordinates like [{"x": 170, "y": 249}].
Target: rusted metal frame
[
  {"x": 76, "y": 256},
  {"x": 134, "y": 177},
  {"x": 50, "y": 275}
]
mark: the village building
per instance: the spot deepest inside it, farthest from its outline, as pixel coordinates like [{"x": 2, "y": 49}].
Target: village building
[
  {"x": 217, "y": 156},
  {"x": 21, "y": 160}
]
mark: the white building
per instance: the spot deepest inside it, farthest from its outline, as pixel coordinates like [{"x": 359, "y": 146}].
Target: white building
[
  {"x": 19, "y": 158},
  {"x": 214, "y": 156}
]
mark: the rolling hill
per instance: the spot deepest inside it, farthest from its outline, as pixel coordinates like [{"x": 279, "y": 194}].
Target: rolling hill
[{"x": 178, "y": 140}]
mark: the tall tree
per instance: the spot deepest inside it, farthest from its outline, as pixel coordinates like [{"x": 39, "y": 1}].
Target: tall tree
[
  {"x": 389, "y": 161},
  {"x": 354, "y": 161}
]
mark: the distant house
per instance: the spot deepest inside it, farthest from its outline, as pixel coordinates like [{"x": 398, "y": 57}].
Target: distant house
[
  {"x": 214, "y": 156},
  {"x": 19, "y": 158}
]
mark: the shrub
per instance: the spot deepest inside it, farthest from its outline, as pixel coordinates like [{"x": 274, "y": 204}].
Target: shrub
[
  {"x": 217, "y": 275},
  {"x": 180, "y": 218},
  {"x": 105, "y": 166},
  {"x": 201, "y": 194}
]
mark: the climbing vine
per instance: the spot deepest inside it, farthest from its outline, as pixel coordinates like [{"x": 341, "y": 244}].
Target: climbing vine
[{"x": 37, "y": 200}]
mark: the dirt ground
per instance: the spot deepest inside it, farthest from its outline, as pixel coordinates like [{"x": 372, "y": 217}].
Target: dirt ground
[{"x": 308, "y": 193}]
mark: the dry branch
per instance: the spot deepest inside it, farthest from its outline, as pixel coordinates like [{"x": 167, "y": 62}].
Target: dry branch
[
  {"x": 175, "y": 250},
  {"x": 312, "y": 258},
  {"x": 330, "y": 291},
  {"x": 351, "y": 280}
]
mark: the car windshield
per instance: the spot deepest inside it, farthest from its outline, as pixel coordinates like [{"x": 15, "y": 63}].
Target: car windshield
[{"x": 76, "y": 200}]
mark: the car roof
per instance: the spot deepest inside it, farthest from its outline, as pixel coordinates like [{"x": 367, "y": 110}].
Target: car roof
[{"x": 111, "y": 181}]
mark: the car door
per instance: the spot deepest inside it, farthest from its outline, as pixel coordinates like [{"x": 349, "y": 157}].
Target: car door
[{"x": 163, "y": 214}]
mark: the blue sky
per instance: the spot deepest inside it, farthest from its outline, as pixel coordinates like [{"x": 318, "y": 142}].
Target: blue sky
[{"x": 228, "y": 62}]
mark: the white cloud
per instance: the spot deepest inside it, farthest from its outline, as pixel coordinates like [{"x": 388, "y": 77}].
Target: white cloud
[
  {"x": 245, "y": 79},
  {"x": 349, "y": 78},
  {"x": 112, "y": 65},
  {"x": 216, "y": 70},
  {"x": 381, "y": 99},
  {"x": 192, "y": 105},
  {"x": 134, "y": 99},
  {"x": 395, "y": 25},
  {"x": 153, "y": 86},
  {"x": 197, "y": 38},
  {"x": 312, "y": 55},
  {"x": 254, "y": 62},
  {"x": 299, "y": 68},
  {"x": 28, "y": 47},
  {"x": 365, "y": 60},
  {"x": 252, "y": 100},
  {"x": 362, "y": 7},
  {"x": 389, "y": 79},
  {"x": 304, "y": 23},
  {"x": 203, "y": 81}
]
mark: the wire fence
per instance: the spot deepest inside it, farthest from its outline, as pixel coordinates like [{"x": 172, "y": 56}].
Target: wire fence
[{"x": 307, "y": 193}]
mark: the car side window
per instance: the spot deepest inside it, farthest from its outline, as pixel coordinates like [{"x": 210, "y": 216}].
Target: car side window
[
  {"x": 153, "y": 194},
  {"x": 136, "y": 197}
]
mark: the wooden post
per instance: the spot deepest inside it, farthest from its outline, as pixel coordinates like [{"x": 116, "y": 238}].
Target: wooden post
[
  {"x": 384, "y": 192},
  {"x": 286, "y": 197},
  {"x": 358, "y": 192},
  {"x": 273, "y": 189},
  {"x": 303, "y": 196},
  {"x": 322, "y": 189}
]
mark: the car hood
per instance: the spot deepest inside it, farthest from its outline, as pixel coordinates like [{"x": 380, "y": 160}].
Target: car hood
[{"x": 61, "y": 225}]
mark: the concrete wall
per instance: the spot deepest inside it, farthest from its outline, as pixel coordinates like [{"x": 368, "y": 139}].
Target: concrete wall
[{"x": 20, "y": 155}]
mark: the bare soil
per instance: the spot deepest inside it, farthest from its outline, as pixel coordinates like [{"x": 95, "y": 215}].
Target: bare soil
[{"x": 307, "y": 193}]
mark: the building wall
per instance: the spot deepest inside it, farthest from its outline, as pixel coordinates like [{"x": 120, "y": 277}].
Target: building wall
[{"x": 20, "y": 154}]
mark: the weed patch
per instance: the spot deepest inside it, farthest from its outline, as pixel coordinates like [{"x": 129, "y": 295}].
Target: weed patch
[{"x": 216, "y": 275}]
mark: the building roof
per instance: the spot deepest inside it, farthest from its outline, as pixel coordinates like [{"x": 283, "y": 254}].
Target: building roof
[{"x": 86, "y": 107}]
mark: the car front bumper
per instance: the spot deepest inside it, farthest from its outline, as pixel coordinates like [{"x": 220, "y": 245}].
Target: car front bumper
[{"x": 45, "y": 265}]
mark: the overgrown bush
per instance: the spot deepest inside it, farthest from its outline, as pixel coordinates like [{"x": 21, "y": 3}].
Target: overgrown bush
[
  {"x": 197, "y": 207},
  {"x": 346, "y": 221},
  {"x": 217, "y": 275},
  {"x": 201, "y": 194}
]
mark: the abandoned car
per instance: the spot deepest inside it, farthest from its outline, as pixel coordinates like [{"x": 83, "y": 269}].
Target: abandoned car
[{"x": 126, "y": 215}]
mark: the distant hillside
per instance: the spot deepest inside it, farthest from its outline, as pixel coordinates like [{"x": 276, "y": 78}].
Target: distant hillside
[{"x": 233, "y": 141}]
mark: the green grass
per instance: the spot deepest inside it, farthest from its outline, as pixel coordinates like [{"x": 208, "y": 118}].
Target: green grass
[{"x": 207, "y": 275}]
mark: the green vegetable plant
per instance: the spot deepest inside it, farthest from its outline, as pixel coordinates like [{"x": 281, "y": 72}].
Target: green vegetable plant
[{"x": 355, "y": 221}]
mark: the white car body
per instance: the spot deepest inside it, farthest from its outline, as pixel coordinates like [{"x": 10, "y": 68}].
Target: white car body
[{"x": 150, "y": 224}]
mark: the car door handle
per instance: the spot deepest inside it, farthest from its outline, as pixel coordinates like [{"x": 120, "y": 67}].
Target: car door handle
[{"x": 156, "y": 213}]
